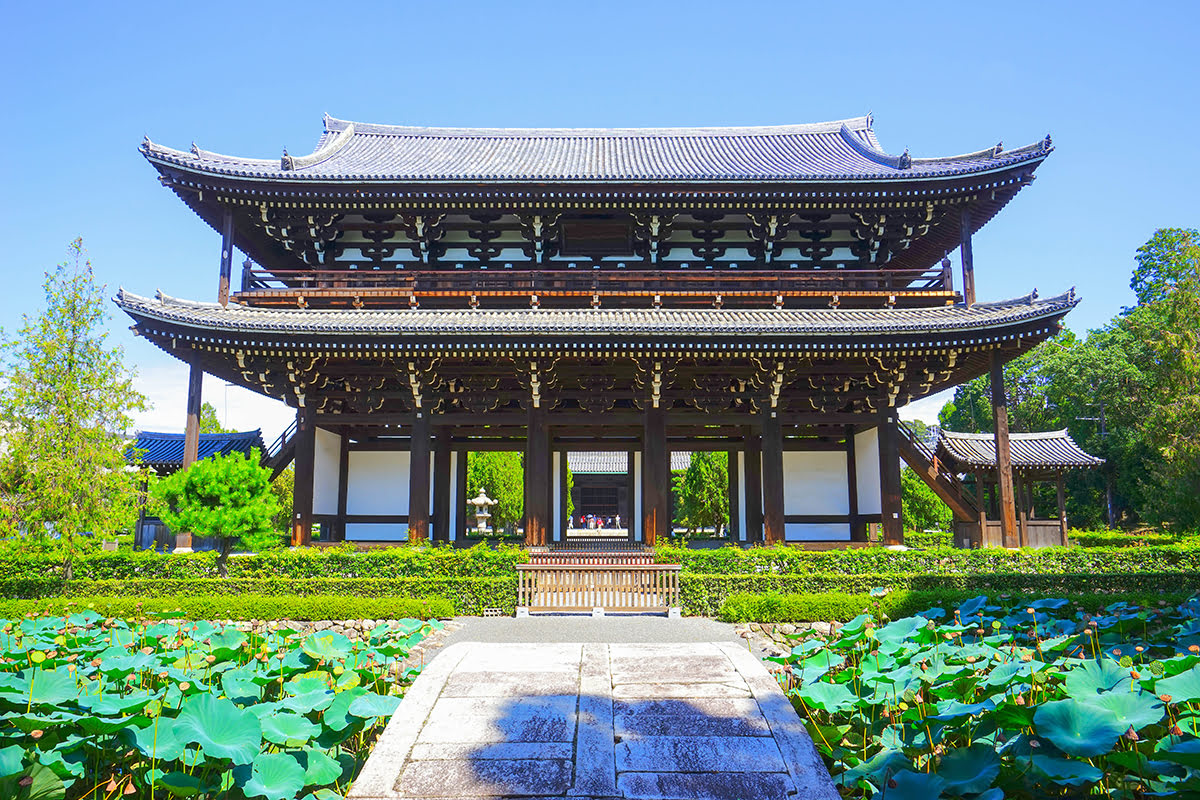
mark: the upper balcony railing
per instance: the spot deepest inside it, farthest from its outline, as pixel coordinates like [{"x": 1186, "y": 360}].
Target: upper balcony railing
[{"x": 515, "y": 288}]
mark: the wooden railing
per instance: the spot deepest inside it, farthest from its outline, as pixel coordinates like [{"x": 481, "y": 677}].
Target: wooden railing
[
  {"x": 591, "y": 557},
  {"x": 360, "y": 288},
  {"x": 578, "y": 587}
]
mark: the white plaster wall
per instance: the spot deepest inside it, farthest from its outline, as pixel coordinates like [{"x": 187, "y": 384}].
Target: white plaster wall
[
  {"x": 815, "y": 483},
  {"x": 376, "y": 532},
  {"x": 325, "y": 471},
  {"x": 378, "y": 483},
  {"x": 456, "y": 502},
  {"x": 866, "y": 465},
  {"x": 636, "y": 522},
  {"x": 556, "y": 533},
  {"x": 741, "y": 487},
  {"x": 813, "y": 531}
]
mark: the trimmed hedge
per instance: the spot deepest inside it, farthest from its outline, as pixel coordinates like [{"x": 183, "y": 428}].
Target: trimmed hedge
[
  {"x": 239, "y": 606},
  {"x": 1123, "y": 538}
]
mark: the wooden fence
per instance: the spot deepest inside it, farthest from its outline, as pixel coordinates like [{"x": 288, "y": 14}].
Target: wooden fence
[{"x": 583, "y": 587}]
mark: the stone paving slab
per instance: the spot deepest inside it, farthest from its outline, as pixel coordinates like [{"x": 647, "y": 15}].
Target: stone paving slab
[{"x": 594, "y": 721}]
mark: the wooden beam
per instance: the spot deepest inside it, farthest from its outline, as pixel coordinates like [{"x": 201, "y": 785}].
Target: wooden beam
[
  {"x": 1004, "y": 473},
  {"x": 1062, "y": 509},
  {"x": 656, "y": 477},
  {"x": 968, "y": 258},
  {"x": 754, "y": 497},
  {"x": 772, "y": 479},
  {"x": 537, "y": 478},
  {"x": 302, "y": 498},
  {"x": 441, "y": 485},
  {"x": 889, "y": 474},
  {"x": 226, "y": 256},
  {"x": 343, "y": 486},
  {"x": 418, "y": 478},
  {"x": 191, "y": 431}
]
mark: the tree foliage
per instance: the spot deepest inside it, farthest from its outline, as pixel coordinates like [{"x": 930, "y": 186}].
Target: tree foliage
[
  {"x": 502, "y": 476},
  {"x": 920, "y": 508},
  {"x": 209, "y": 423},
  {"x": 704, "y": 491},
  {"x": 65, "y": 408},
  {"x": 226, "y": 497}
]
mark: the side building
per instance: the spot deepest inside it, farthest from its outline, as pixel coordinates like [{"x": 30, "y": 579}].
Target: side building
[{"x": 777, "y": 293}]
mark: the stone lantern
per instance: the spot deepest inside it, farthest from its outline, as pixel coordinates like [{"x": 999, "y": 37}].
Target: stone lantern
[{"x": 482, "y": 515}]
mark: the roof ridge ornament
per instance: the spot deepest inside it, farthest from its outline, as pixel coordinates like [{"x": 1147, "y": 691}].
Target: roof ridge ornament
[
  {"x": 195, "y": 149},
  {"x": 905, "y": 161},
  {"x": 998, "y": 149},
  {"x": 287, "y": 163},
  {"x": 1047, "y": 144}
]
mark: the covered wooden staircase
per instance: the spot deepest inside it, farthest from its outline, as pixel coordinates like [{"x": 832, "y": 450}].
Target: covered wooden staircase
[{"x": 944, "y": 483}]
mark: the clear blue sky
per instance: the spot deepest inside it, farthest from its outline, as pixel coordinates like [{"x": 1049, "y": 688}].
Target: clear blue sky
[{"x": 1116, "y": 86}]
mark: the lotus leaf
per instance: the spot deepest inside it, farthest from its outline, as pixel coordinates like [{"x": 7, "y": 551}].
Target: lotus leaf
[
  {"x": 373, "y": 705},
  {"x": 337, "y": 716},
  {"x": 969, "y": 770},
  {"x": 49, "y": 687},
  {"x": 179, "y": 784},
  {"x": 319, "y": 769},
  {"x": 275, "y": 776},
  {"x": 1184, "y": 687},
  {"x": 1186, "y": 752},
  {"x": 1075, "y": 727},
  {"x": 953, "y": 709},
  {"x": 915, "y": 786},
  {"x": 1066, "y": 772},
  {"x": 326, "y": 646},
  {"x": 218, "y": 726},
  {"x": 1136, "y": 709},
  {"x": 44, "y": 784},
  {"x": 1093, "y": 677},
  {"x": 287, "y": 729},
  {"x": 11, "y": 760},
  {"x": 157, "y": 740}
]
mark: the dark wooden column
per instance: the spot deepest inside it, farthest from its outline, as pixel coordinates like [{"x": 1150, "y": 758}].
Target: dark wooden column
[
  {"x": 968, "y": 258},
  {"x": 889, "y": 475},
  {"x": 441, "y": 485},
  {"x": 735, "y": 500},
  {"x": 1062, "y": 510},
  {"x": 226, "y": 257},
  {"x": 343, "y": 487},
  {"x": 302, "y": 498},
  {"x": 418, "y": 478},
  {"x": 465, "y": 520},
  {"x": 772, "y": 478},
  {"x": 858, "y": 531},
  {"x": 981, "y": 501},
  {"x": 191, "y": 431},
  {"x": 656, "y": 477},
  {"x": 754, "y": 498},
  {"x": 537, "y": 478},
  {"x": 1004, "y": 475}
]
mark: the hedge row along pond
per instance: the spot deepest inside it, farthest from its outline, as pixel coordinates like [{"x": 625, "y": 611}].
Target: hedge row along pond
[
  {"x": 99, "y": 708},
  {"x": 989, "y": 702}
]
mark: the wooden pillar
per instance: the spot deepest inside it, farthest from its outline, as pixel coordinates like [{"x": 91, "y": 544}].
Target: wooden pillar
[
  {"x": 226, "y": 257},
  {"x": 191, "y": 431},
  {"x": 464, "y": 519},
  {"x": 631, "y": 495},
  {"x": 981, "y": 502},
  {"x": 1004, "y": 476},
  {"x": 968, "y": 258},
  {"x": 735, "y": 500},
  {"x": 343, "y": 488},
  {"x": 537, "y": 478},
  {"x": 656, "y": 477},
  {"x": 889, "y": 475},
  {"x": 772, "y": 478},
  {"x": 441, "y": 485},
  {"x": 418, "y": 478},
  {"x": 754, "y": 498},
  {"x": 302, "y": 498},
  {"x": 1022, "y": 505},
  {"x": 858, "y": 531},
  {"x": 1062, "y": 510}
]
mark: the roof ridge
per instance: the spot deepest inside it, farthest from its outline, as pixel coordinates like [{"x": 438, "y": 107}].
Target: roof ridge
[{"x": 332, "y": 124}]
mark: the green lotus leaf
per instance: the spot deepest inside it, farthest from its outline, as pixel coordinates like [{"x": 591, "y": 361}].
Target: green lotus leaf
[
  {"x": 308, "y": 682},
  {"x": 951, "y": 710},
  {"x": 1005, "y": 674},
  {"x": 226, "y": 643},
  {"x": 322, "y": 794},
  {"x": 326, "y": 646},
  {"x": 373, "y": 705},
  {"x": 337, "y": 716},
  {"x": 114, "y": 704},
  {"x": 157, "y": 742},
  {"x": 309, "y": 701},
  {"x": 319, "y": 768},
  {"x": 287, "y": 729},
  {"x": 44, "y": 784},
  {"x": 1186, "y": 753},
  {"x": 219, "y": 727},
  {"x": 879, "y": 767},
  {"x": 275, "y": 776},
  {"x": 914, "y": 786},
  {"x": 1065, "y": 771},
  {"x": 1137, "y": 709},
  {"x": 50, "y": 687},
  {"x": 1093, "y": 677},
  {"x": 969, "y": 769},
  {"x": 11, "y": 760},
  {"x": 1183, "y": 688},
  {"x": 240, "y": 688},
  {"x": 1077, "y": 729},
  {"x": 179, "y": 784},
  {"x": 900, "y": 630}
]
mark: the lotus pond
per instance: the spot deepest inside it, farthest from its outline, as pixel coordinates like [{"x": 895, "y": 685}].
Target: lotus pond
[
  {"x": 991, "y": 701},
  {"x": 103, "y": 708}
]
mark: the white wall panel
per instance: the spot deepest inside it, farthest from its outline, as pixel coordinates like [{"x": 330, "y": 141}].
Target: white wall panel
[
  {"x": 812, "y": 531},
  {"x": 376, "y": 532},
  {"x": 325, "y": 471},
  {"x": 378, "y": 483},
  {"x": 866, "y": 464},
  {"x": 815, "y": 483}
]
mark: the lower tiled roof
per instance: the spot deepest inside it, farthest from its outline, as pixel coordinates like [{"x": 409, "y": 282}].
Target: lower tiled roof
[
  {"x": 166, "y": 449},
  {"x": 1049, "y": 449}
]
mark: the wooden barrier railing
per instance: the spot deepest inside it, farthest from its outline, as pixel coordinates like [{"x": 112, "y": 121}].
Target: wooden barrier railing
[
  {"x": 580, "y": 587},
  {"x": 591, "y": 557}
]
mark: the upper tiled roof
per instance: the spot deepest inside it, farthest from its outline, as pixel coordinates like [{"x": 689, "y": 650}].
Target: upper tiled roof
[
  {"x": 1029, "y": 450},
  {"x": 661, "y": 322},
  {"x": 616, "y": 463},
  {"x": 166, "y": 449},
  {"x": 825, "y": 151}
]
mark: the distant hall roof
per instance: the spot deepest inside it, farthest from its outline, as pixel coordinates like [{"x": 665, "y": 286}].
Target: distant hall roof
[
  {"x": 843, "y": 150},
  {"x": 587, "y": 462},
  {"x": 165, "y": 450},
  {"x": 1046, "y": 450}
]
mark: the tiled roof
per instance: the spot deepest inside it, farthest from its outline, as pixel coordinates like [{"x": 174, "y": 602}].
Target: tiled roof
[
  {"x": 825, "y": 151},
  {"x": 166, "y": 449},
  {"x": 616, "y": 463},
  {"x": 1029, "y": 450},
  {"x": 661, "y": 322}
]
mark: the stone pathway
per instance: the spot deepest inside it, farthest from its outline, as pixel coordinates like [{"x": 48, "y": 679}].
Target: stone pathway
[{"x": 698, "y": 721}]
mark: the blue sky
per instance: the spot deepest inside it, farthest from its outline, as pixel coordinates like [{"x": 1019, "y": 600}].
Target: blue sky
[{"x": 82, "y": 83}]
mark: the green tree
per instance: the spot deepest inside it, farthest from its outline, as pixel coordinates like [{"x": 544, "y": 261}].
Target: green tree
[
  {"x": 66, "y": 406},
  {"x": 502, "y": 476},
  {"x": 920, "y": 508},
  {"x": 1171, "y": 256},
  {"x": 704, "y": 491},
  {"x": 208, "y": 420},
  {"x": 226, "y": 497},
  {"x": 284, "y": 489}
]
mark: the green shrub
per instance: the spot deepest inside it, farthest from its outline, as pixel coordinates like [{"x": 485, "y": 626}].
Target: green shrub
[
  {"x": 238, "y": 606},
  {"x": 920, "y": 508},
  {"x": 1124, "y": 538},
  {"x": 926, "y": 539}
]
